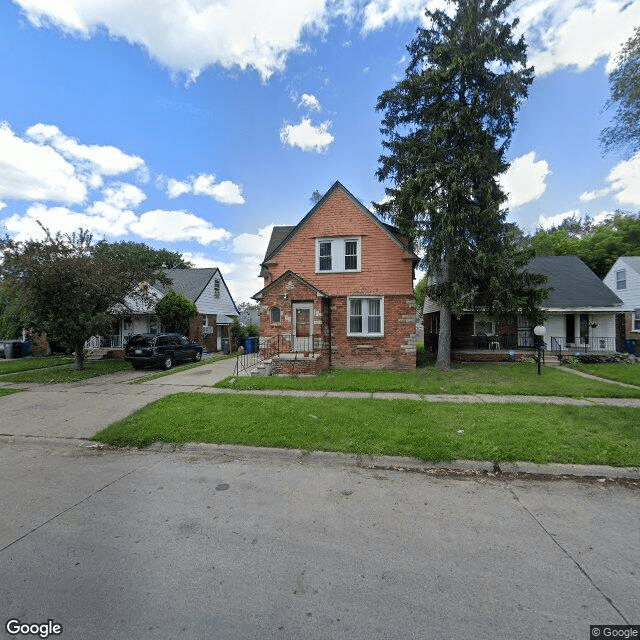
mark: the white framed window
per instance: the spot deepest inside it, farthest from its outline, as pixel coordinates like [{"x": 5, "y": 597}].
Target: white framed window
[
  {"x": 365, "y": 316},
  {"x": 483, "y": 325},
  {"x": 621, "y": 279},
  {"x": 338, "y": 255},
  {"x": 216, "y": 288},
  {"x": 636, "y": 320}
]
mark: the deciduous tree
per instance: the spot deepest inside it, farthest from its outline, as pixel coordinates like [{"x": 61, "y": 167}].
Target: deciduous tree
[
  {"x": 175, "y": 312},
  {"x": 67, "y": 284},
  {"x": 624, "y": 86}
]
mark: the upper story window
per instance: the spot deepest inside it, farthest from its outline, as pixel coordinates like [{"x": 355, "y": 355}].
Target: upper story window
[
  {"x": 216, "y": 288},
  {"x": 621, "y": 279},
  {"x": 337, "y": 255}
]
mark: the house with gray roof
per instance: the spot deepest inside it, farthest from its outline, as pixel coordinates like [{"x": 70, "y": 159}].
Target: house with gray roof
[
  {"x": 205, "y": 287},
  {"x": 580, "y": 314},
  {"x": 624, "y": 280}
]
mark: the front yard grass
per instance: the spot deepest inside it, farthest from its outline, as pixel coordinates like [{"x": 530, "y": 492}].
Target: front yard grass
[
  {"x": 27, "y": 364},
  {"x": 500, "y": 379},
  {"x": 427, "y": 431},
  {"x": 619, "y": 371},
  {"x": 65, "y": 372}
]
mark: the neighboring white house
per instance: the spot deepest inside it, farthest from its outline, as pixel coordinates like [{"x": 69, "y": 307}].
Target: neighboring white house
[
  {"x": 624, "y": 280},
  {"x": 206, "y": 288},
  {"x": 580, "y": 313}
]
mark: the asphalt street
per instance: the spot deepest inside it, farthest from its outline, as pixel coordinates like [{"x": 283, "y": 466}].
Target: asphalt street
[{"x": 210, "y": 542}]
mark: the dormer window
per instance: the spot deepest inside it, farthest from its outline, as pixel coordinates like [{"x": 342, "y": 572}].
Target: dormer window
[
  {"x": 337, "y": 255},
  {"x": 621, "y": 279}
]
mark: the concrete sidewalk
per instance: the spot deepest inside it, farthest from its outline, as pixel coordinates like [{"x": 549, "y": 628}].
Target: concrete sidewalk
[{"x": 79, "y": 410}]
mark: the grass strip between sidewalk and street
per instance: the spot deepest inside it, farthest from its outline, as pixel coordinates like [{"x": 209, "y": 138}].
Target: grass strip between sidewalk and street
[
  {"x": 427, "y": 431},
  {"x": 500, "y": 379}
]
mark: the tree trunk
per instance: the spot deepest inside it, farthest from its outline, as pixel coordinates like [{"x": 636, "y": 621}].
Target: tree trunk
[
  {"x": 78, "y": 363},
  {"x": 443, "y": 361}
]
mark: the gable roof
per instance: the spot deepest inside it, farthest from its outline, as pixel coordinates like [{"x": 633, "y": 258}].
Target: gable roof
[
  {"x": 289, "y": 275},
  {"x": 189, "y": 283},
  {"x": 573, "y": 285},
  {"x": 282, "y": 234},
  {"x": 632, "y": 262}
]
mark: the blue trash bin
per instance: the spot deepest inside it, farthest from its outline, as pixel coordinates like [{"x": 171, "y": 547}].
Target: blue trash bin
[
  {"x": 248, "y": 345},
  {"x": 630, "y": 347}
]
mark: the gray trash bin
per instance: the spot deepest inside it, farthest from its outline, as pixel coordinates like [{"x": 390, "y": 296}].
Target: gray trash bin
[
  {"x": 225, "y": 345},
  {"x": 11, "y": 349}
]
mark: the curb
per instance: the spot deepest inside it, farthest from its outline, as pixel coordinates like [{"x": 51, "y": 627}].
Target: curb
[{"x": 459, "y": 468}]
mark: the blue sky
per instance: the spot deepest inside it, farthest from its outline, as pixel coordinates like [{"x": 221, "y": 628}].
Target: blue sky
[{"x": 196, "y": 125}]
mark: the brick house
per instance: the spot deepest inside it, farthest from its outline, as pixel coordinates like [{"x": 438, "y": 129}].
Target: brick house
[{"x": 338, "y": 291}]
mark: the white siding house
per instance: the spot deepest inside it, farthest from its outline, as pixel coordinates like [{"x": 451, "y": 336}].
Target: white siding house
[
  {"x": 624, "y": 280},
  {"x": 206, "y": 288}
]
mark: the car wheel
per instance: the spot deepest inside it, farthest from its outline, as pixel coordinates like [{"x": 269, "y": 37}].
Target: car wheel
[
  {"x": 167, "y": 362},
  {"x": 197, "y": 356}
]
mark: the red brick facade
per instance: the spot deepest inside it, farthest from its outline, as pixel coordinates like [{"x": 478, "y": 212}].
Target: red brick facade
[{"x": 384, "y": 276}]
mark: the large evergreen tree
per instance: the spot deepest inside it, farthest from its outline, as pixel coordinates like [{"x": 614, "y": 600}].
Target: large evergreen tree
[{"x": 446, "y": 126}]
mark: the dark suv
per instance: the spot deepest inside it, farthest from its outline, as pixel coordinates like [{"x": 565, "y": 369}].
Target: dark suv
[{"x": 162, "y": 349}]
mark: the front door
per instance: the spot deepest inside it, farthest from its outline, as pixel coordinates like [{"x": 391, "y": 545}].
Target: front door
[{"x": 302, "y": 326}]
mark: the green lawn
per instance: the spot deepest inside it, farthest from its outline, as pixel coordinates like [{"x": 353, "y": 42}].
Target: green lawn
[
  {"x": 27, "y": 364},
  {"x": 65, "y": 372},
  {"x": 501, "y": 379},
  {"x": 620, "y": 371},
  {"x": 428, "y": 431}
]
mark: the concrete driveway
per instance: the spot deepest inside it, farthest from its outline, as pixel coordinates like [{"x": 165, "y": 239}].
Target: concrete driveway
[{"x": 82, "y": 409}]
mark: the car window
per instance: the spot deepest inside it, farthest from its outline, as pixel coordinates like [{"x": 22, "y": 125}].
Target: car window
[
  {"x": 139, "y": 341},
  {"x": 161, "y": 341},
  {"x": 184, "y": 341}
]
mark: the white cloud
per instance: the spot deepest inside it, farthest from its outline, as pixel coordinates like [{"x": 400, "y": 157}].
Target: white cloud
[
  {"x": 554, "y": 221},
  {"x": 202, "y": 261},
  {"x": 100, "y": 219},
  {"x": 226, "y": 192},
  {"x": 307, "y": 136},
  {"x": 248, "y": 251},
  {"x": 525, "y": 179},
  {"x": 2, "y": 205},
  {"x": 93, "y": 160},
  {"x": 573, "y": 32},
  {"x": 30, "y": 171},
  {"x": 124, "y": 196},
  {"x": 310, "y": 102},
  {"x": 175, "y": 226},
  {"x": 588, "y": 196},
  {"x": 625, "y": 181},
  {"x": 379, "y": 13},
  {"x": 566, "y": 33},
  {"x": 176, "y": 188},
  {"x": 190, "y": 35}
]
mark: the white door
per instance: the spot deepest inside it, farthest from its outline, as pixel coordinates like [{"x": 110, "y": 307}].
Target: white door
[{"x": 302, "y": 326}]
